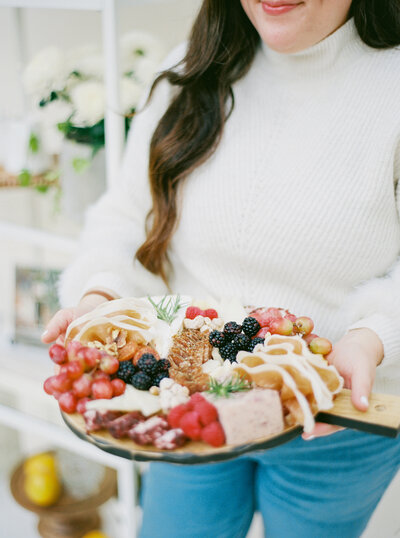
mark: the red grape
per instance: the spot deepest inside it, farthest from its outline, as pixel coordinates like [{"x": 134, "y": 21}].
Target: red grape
[
  {"x": 67, "y": 402},
  {"x": 102, "y": 388},
  {"x": 109, "y": 364},
  {"x": 310, "y": 337},
  {"x": 74, "y": 369},
  {"x": 82, "y": 386},
  {"x": 320, "y": 345},
  {"x": 100, "y": 375},
  {"x": 58, "y": 354},
  {"x": 73, "y": 348},
  {"x": 61, "y": 382},
  {"x": 118, "y": 386},
  {"x": 304, "y": 325},
  {"x": 92, "y": 357},
  {"x": 281, "y": 326},
  {"x": 81, "y": 405},
  {"x": 48, "y": 385}
]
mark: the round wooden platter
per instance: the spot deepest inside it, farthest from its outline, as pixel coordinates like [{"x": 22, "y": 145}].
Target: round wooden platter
[
  {"x": 191, "y": 453},
  {"x": 382, "y": 418}
]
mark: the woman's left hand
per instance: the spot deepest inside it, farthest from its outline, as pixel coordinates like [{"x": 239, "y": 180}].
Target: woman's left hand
[{"x": 356, "y": 357}]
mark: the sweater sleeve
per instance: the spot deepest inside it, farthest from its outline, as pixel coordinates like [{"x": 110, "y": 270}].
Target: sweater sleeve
[
  {"x": 115, "y": 225},
  {"x": 376, "y": 304}
]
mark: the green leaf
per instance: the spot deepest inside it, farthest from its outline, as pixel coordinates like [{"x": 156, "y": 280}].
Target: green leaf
[
  {"x": 34, "y": 143},
  {"x": 167, "y": 308},
  {"x": 52, "y": 175},
  {"x": 80, "y": 165},
  {"x": 42, "y": 188},
  {"x": 227, "y": 387},
  {"x": 24, "y": 178}
]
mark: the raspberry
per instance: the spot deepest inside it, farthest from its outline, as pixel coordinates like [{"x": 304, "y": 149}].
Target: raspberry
[
  {"x": 163, "y": 365},
  {"x": 193, "y": 311},
  {"x": 190, "y": 424},
  {"x": 207, "y": 412},
  {"x": 157, "y": 378},
  {"x": 257, "y": 340},
  {"x": 231, "y": 328},
  {"x": 211, "y": 313},
  {"x": 147, "y": 364},
  {"x": 242, "y": 341},
  {"x": 175, "y": 415},
  {"x": 126, "y": 371},
  {"x": 250, "y": 326},
  {"x": 217, "y": 338},
  {"x": 196, "y": 398},
  {"x": 141, "y": 381},
  {"x": 213, "y": 434}
]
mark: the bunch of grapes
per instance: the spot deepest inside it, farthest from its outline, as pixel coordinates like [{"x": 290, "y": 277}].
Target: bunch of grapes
[
  {"x": 85, "y": 374},
  {"x": 280, "y": 321}
]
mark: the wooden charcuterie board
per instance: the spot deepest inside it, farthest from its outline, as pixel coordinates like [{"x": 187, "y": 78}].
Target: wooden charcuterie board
[{"x": 382, "y": 418}]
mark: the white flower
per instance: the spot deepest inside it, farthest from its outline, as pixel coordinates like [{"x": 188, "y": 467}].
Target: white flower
[
  {"x": 145, "y": 70},
  {"x": 130, "y": 94},
  {"x": 49, "y": 117},
  {"x": 137, "y": 44},
  {"x": 88, "y": 64},
  {"x": 46, "y": 72},
  {"x": 55, "y": 112},
  {"x": 88, "y": 101}
]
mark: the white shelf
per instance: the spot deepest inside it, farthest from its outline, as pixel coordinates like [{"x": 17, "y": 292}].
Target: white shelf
[{"x": 40, "y": 238}]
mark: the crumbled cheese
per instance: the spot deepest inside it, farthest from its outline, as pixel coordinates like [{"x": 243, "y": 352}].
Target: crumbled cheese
[{"x": 172, "y": 394}]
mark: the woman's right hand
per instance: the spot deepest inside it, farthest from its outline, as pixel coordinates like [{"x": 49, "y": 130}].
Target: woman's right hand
[{"x": 57, "y": 326}]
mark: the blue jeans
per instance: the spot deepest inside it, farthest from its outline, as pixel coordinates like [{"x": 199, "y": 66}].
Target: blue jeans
[{"x": 325, "y": 488}]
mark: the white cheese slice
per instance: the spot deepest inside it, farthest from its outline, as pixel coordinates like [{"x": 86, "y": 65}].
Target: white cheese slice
[{"x": 132, "y": 400}]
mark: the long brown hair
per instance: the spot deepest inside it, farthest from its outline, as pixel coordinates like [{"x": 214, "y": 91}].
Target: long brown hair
[{"x": 221, "y": 48}]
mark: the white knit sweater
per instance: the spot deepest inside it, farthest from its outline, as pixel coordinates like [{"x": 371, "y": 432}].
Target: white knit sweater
[{"x": 297, "y": 208}]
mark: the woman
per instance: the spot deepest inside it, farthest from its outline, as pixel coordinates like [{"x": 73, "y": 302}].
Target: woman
[{"x": 273, "y": 154}]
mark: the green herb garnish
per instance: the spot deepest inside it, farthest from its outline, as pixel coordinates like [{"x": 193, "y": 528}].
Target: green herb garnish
[
  {"x": 225, "y": 388},
  {"x": 167, "y": 308}
]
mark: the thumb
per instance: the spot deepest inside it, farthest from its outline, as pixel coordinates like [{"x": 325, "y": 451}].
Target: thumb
[{"x": 361, "y": 385}]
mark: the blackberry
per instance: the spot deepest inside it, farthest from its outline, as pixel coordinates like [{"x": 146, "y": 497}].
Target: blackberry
[
  {"x": 230, "y": 329},
  {"x": 148, "y": 364},
  {"x": 141, "y": 381},
  {"x": 256, "y": 341},
  {"x": 157, "y": 378},
  {"x": 242, "y": 341},
  {"x": 228, "y": 351},
  {"x": 163, "y": 365},
  {"x": 126, "y": 370},
  {"x": 217, "y": 338},
  {"x": 250, "y": 326}
]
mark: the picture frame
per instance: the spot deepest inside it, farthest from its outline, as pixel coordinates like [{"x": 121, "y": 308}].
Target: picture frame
[{"x": 35, "y": 302}]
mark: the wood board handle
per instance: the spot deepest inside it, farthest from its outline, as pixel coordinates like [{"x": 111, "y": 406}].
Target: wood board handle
[{"x": 382, "y": 417}]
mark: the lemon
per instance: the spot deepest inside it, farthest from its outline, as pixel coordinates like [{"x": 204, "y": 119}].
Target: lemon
[
  {"x": 95, "y": 534},
  {"x": 40, "y": 463},
  {"x": 43, "y": 489}
]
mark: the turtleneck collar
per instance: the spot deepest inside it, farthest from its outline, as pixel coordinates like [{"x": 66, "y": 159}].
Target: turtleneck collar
[{"x": 340, "y": 46}]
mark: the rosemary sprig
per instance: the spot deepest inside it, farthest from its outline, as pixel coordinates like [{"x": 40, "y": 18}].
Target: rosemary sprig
[
  {"x": 167, "y": 308},
  {"x": 225, "y": 388}
]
